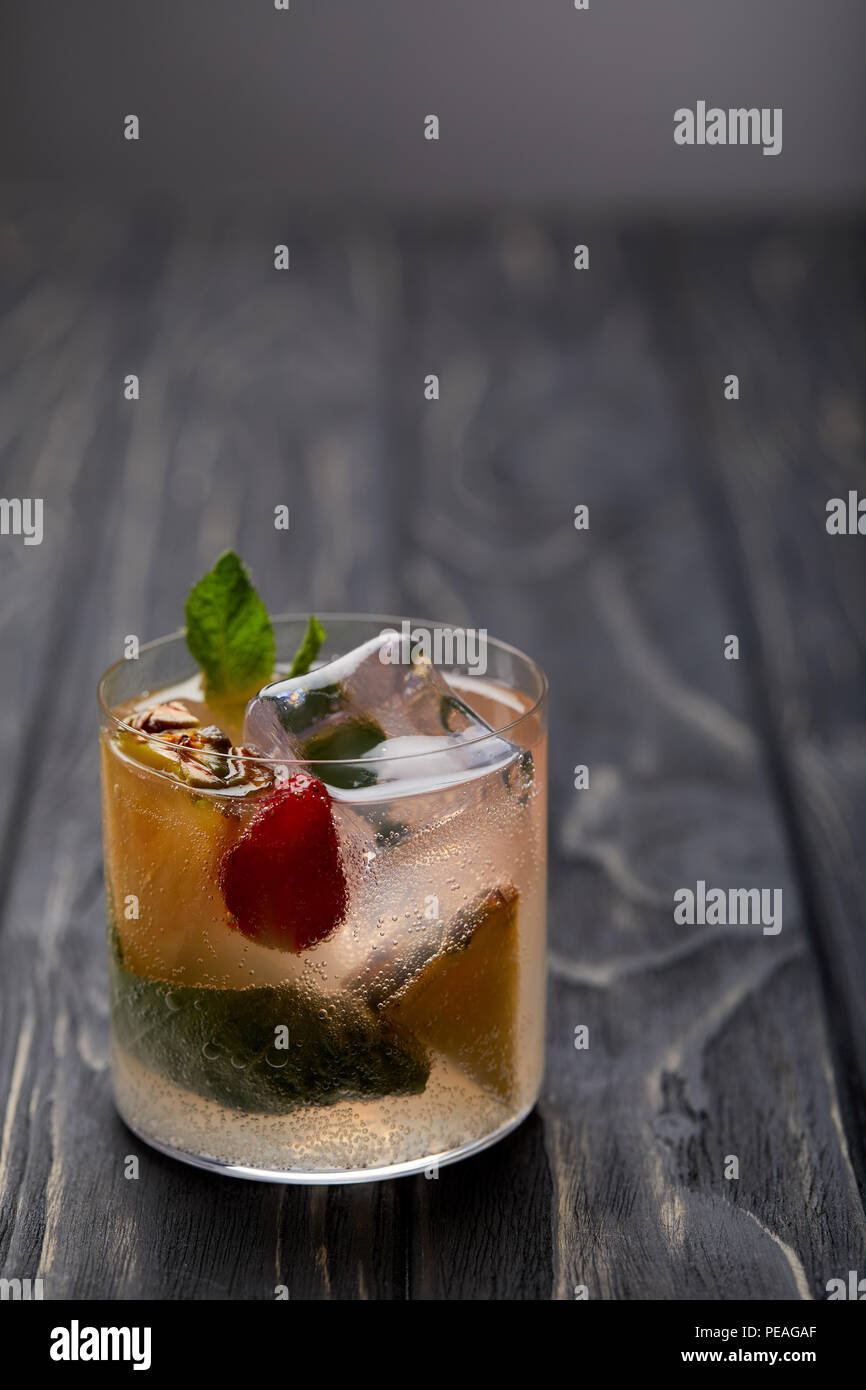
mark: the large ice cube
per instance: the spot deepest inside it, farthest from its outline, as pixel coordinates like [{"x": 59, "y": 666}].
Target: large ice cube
[
  {"x": 423, "y": 792},
  {"x": 410, "y": 731}
]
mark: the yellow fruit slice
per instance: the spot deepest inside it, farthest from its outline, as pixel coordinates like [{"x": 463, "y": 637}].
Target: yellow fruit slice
[
  {"x": 162, "y": 850},
  {"x": 155, "y": 753},
  {"x": 463, "y": 1003}
]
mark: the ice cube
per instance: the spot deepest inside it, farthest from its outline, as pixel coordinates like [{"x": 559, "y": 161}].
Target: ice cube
[
  {"x": 410, "y": 731},
  {"x": 424, "y": 795},
  {"x": 407, "y": 883},
  {"x": 414, "y": 811}
]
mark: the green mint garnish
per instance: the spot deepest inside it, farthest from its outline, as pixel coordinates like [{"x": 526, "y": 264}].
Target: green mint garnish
[
  {"x": 219, "y": 1043},
  {"x": 229, "y": 632},
  {"x": 230, "y": 635},
  {"x": 309, "y": 648}
]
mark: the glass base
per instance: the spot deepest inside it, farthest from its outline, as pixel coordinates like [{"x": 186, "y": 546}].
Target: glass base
[{"x": 333, "y": 1177}]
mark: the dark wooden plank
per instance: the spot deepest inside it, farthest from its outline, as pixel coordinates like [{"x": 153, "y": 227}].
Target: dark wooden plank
[
  {"x": 784, "y": 311},
  {"x": 553, "y": 394}
]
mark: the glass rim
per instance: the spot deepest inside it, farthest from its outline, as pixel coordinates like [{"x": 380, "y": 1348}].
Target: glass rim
[{"x": 325, "y": 618}]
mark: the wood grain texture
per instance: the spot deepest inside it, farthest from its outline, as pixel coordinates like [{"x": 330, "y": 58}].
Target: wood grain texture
[{"x": 706, "y": 519}]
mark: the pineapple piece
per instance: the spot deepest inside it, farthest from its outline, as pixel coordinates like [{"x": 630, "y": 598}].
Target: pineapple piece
[
  {"x": 163, "y": 845},
  {"x": 159, "y": 754},
  {"x": 177, "y": 796},
  {"x": 463, "y": 1001}
]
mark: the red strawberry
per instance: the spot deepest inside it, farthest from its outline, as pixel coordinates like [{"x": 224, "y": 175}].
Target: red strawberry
[{"x": 282, "y": 880}]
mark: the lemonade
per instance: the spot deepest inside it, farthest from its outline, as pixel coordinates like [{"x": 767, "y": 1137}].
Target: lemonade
[{"x": 311, "y": 980}]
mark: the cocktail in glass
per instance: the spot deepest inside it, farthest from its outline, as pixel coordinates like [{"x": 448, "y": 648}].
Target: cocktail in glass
[{"x": 412, "y": 1034}]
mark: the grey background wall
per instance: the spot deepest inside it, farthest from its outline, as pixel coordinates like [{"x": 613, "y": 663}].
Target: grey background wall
[{"x": 538, "y": 102}]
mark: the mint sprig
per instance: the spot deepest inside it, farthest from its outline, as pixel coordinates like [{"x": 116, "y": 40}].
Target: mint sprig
[
  {"x": 229, "y": 633},
  {"x": 309, "y": 648}
]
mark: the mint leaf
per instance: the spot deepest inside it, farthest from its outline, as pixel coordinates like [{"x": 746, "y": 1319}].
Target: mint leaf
[
  {"x": 229, "y": 632},
  {"x": 219, "y": 1043},
  {"x": 309, "y": 648}
]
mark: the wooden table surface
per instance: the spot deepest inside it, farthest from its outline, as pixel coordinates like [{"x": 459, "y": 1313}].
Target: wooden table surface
[{"x": 707, "y": 519}]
